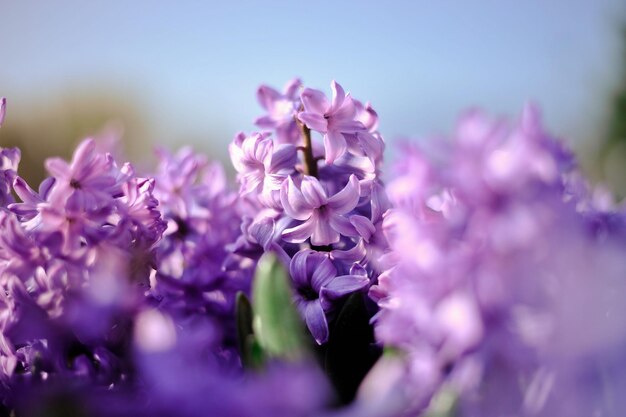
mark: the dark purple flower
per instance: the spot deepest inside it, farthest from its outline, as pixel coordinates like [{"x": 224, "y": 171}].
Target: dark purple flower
[
  {"x": 324, "y": 217},
  {"x": 317, "y": 287}
]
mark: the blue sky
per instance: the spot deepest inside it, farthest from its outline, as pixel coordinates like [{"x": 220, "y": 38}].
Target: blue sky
[{"x": 194, "y": 66}]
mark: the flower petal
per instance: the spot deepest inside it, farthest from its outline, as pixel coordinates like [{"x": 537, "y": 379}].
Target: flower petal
[
  {"x": 363, "y": 226},
  {"x": 298, "y": 268},
  {"x": 314, "y": 121},
  {"x": 300, "y": 233},
  {"x": 293, "y": 201},
  {"x": 284, "y": 157},
  {"x": 314, "y": 101},
  {"x": 343, "y": 285},
  {"x": 338, "y": 95},
  {"x": 323, "y": 274},
  {"x": 335, "y": 145},
  {"x": 313, "y": 192},
  {"x": 266, "y": 96},
  {"x": 346, "y": 199},
  {"x": 342, "y": 225},
  {"x": 323, "y": 232},
  {"x": 316, "y": 321}
]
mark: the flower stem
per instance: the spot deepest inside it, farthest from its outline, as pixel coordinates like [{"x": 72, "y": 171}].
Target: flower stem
[{"x": 310, "y": 163}]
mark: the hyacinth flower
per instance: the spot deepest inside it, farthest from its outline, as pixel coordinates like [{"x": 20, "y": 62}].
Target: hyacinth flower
[
  {"x": 261, "y": 168},
  {"x": 323, "y": 216},
  {"x": 281, "y": 110},
  {"x": 317, "y": 287},
  {"x": 486, "y": 273},
  {"x": 332, "y": 119}
]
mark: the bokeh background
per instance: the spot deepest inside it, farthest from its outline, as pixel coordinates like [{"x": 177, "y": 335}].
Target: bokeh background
[{"x": 185, "y": 72}]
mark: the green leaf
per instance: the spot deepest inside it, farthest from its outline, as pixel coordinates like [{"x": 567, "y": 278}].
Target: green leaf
[
  {"x": 251, "y": 352},
  {"x": 277, "y": 325}
]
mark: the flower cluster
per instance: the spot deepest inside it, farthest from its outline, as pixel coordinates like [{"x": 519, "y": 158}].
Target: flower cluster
[
  {"x": 317, "y": 204},
  {"x": 505, "y": 276},
  {"x": 488, "y": 271}
]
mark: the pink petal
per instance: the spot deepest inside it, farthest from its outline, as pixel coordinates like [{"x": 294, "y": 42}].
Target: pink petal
[
  {"x": 293, "y": 201},
  {"x": 346, "y": 199},
  {"x": 314, "y": 121},
  {"x": 335, "y": 146},
  {"x": 314, "y": 101}
]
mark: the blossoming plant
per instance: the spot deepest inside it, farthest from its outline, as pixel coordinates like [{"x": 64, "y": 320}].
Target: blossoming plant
[{"x": 486, "y": 279}]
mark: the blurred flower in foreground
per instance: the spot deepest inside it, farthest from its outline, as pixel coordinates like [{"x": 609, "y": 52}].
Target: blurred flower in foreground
[{"x": 506, "y": 276}]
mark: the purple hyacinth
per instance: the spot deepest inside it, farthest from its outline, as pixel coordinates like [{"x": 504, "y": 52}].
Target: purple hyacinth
[
  {"x": 491, "y": 256},
  {"x": 281, "y": 111},
  {"x": 318, "y": 287},
  {"x": 324, "y": 217},
  {"x": 261, "y": 165},
  {"x": 331, "y": 119}
]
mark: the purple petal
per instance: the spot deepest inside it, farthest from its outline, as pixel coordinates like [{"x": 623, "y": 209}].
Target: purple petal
[
  {"x": 314, "y": 101},
  {"x": 346, "y": 199},
  {"x": 298, "y": 268},
  {"x": 363, "y": 226},
  {"x": 24, "y": 192},
  {"x": 284, "y": 157},
  {"x": 335, "y": 145},
  {"x": 373, "y": 146},
  {"x": 314, "y": 121},
  {"x": 323, "y": 233},
  {"x": 265, "y": 122},
  {"x": 338, "y": 95},
  {"x": 57, "y": 167},
  {"x": 292, "y": 87},
  {"x": 316, "y": 321},
  {"x": 343, "y": 285},
  {"x": 293, "y": 201},
  {"x": 313, "y": 192},
  {"x": 266, "y": 96},
  {"x": 342, "y": 225},
  {"x": 262, "y": 231},
  {"x": 324, "y": 272},
  {"x": 301, "y": 232}
]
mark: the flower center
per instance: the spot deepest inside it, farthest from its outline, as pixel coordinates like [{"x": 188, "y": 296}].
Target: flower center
[{"x": 308, "y": 293}]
